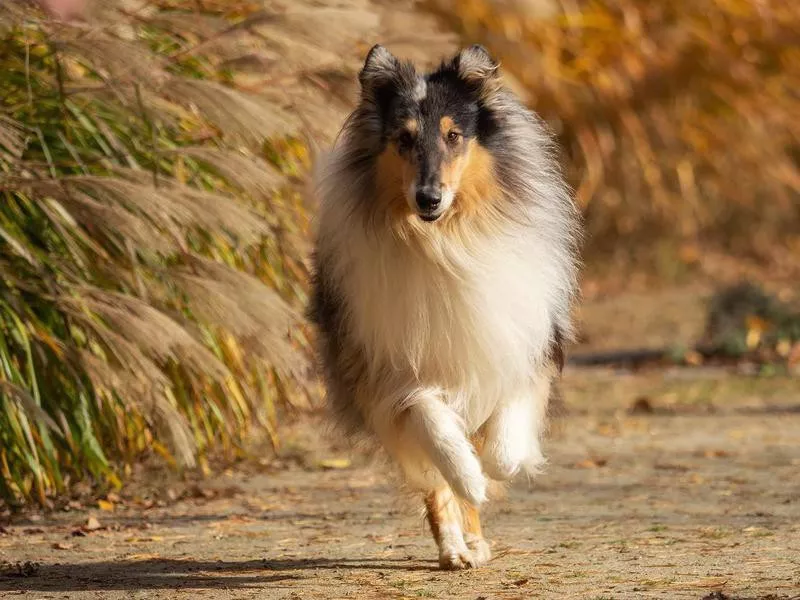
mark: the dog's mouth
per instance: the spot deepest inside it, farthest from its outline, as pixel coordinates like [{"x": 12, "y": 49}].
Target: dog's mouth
[{"x": 430, "y": 217}]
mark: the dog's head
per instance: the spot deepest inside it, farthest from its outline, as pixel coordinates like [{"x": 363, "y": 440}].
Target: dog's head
[{"x": 434, "y": 127}]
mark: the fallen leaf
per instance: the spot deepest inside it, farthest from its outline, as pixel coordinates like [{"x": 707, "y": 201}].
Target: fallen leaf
[
  {"x": 113, "y": 497},
  {"x": 105, "y": 505},
  {"x": 334, "y": 463},
  {"x": 755, "y": 327},
  {"x": 693, "y": 358},
  {"x": 716, "y": 453},
  {"x": 592, "y": 463},
  {"x": 92, "y": 524},
  {"x": 62, "y": 546},
  {"x": 607, "y": 430},
  {"x": 136, "y": 540},
  {"x": 641, "y": 406}
]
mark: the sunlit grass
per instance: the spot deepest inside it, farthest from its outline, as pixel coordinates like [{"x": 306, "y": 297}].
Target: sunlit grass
[{"x": 150, "y": 253}]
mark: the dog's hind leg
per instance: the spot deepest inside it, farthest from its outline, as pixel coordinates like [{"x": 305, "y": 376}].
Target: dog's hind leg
[
  {"x": 512, "y": 435},
  {"x": 473, "y": 536},
  {"x": 439, "y": 432},
  {"x": 445, "y": 518}
]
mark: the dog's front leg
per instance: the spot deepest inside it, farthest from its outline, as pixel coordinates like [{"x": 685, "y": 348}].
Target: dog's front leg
[
  {"x": 457, "y": 549},
  {"x": 512, "y": 435},
  {"x": 439, "y": 432},
  {"x": 444, "y": 517}
]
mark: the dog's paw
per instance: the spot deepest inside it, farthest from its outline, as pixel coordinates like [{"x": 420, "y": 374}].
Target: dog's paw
[
  {"x": 455, "y": 560},
  {"x": 479, "y": 548},
  {"x": 475, "y": 554}
]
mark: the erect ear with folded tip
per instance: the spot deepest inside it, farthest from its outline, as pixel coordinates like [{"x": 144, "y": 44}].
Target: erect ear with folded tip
[
  {"x": 380, "y": 67},
  {"x": 476, "y": 66}
]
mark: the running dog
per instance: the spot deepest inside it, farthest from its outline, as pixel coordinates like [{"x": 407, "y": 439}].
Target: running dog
[{"x": 444, "y": 274}]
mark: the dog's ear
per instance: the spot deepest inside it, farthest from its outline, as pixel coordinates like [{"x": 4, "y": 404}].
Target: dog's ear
[
  {"x": 380, "y": 68},
  {"x": 476, "y": 66}
]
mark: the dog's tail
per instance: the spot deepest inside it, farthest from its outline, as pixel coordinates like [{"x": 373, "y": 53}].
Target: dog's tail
[{"x": 440, "y": 433}]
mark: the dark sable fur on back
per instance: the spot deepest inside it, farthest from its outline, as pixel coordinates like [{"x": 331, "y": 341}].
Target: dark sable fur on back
[{"x": 342, "y": 362}]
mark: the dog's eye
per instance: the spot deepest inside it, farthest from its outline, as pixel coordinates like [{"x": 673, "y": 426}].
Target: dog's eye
[
  {"x": 405, "y": 140},
  {"x": 453, "y": 137}
]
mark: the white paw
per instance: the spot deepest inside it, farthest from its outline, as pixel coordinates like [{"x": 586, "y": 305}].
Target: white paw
[
  {"x": 475, "y": 553},
  {"x": 456, "y": 559},
  {"x": 479, "y": 548}
]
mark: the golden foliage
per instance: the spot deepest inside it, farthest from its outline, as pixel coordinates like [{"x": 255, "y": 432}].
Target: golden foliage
[
  {"x": 151, "y": 255},
  {"x": 679, "y": 118}
]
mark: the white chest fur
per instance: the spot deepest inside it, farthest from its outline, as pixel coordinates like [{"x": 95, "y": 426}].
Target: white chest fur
[{"x": 467, "y": 317}]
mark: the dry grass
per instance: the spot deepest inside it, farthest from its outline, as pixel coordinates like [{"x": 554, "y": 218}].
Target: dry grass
[
  {"x": 151, "y": 250},
  {"x": 678, "y": 118}
]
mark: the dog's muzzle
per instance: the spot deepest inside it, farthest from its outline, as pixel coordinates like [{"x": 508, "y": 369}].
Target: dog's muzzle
[{"x": 429, "y": 204}]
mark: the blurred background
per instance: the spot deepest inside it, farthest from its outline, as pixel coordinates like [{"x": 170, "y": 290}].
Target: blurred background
[{"x": 154, "y": 231}]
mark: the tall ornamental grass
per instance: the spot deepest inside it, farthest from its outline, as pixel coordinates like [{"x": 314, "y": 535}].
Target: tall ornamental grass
[{"x": 150, "y": 245}]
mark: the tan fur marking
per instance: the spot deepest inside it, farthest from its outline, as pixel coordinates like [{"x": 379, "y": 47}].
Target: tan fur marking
[
  {"x": 472, "y": 520},
  {"x": 441, "y": 508},
  {"x": 478, "y": 187},
  {"x": 412, "y": 125},
  {"x": 446, "y": 124},
  {"x": 394, "y": 174},
  {"x": 478, "y": 439},
  {"x": 453, "y": 170},
  {"x": 433, "y": 514}
]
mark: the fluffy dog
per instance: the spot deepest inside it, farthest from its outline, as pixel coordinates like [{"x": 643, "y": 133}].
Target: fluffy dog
[{"x": 445, "y": 270}]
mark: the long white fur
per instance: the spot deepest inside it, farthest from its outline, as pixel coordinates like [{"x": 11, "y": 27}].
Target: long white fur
[
  {"x": 511, "y": 444},
  {"x": 473, "y": 319},
  {"x": 454, "y": 323},
  {"x": 438, "y": 429}
]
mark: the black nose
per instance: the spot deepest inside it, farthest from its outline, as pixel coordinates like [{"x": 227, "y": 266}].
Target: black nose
[{"x": 428, "y": 199}]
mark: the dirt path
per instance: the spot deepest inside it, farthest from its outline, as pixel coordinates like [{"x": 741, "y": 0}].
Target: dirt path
[{"x": 700, "y": 495}]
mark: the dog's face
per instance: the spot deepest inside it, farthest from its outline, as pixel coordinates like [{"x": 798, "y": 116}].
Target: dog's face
[{"x": 433, "y": 127}]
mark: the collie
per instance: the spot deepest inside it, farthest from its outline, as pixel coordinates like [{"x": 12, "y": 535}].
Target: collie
[{"x": 444, "y": 273}]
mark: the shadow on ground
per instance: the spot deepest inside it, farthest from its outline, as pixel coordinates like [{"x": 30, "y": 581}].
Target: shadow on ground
[{"x": 156, "y": 574}]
